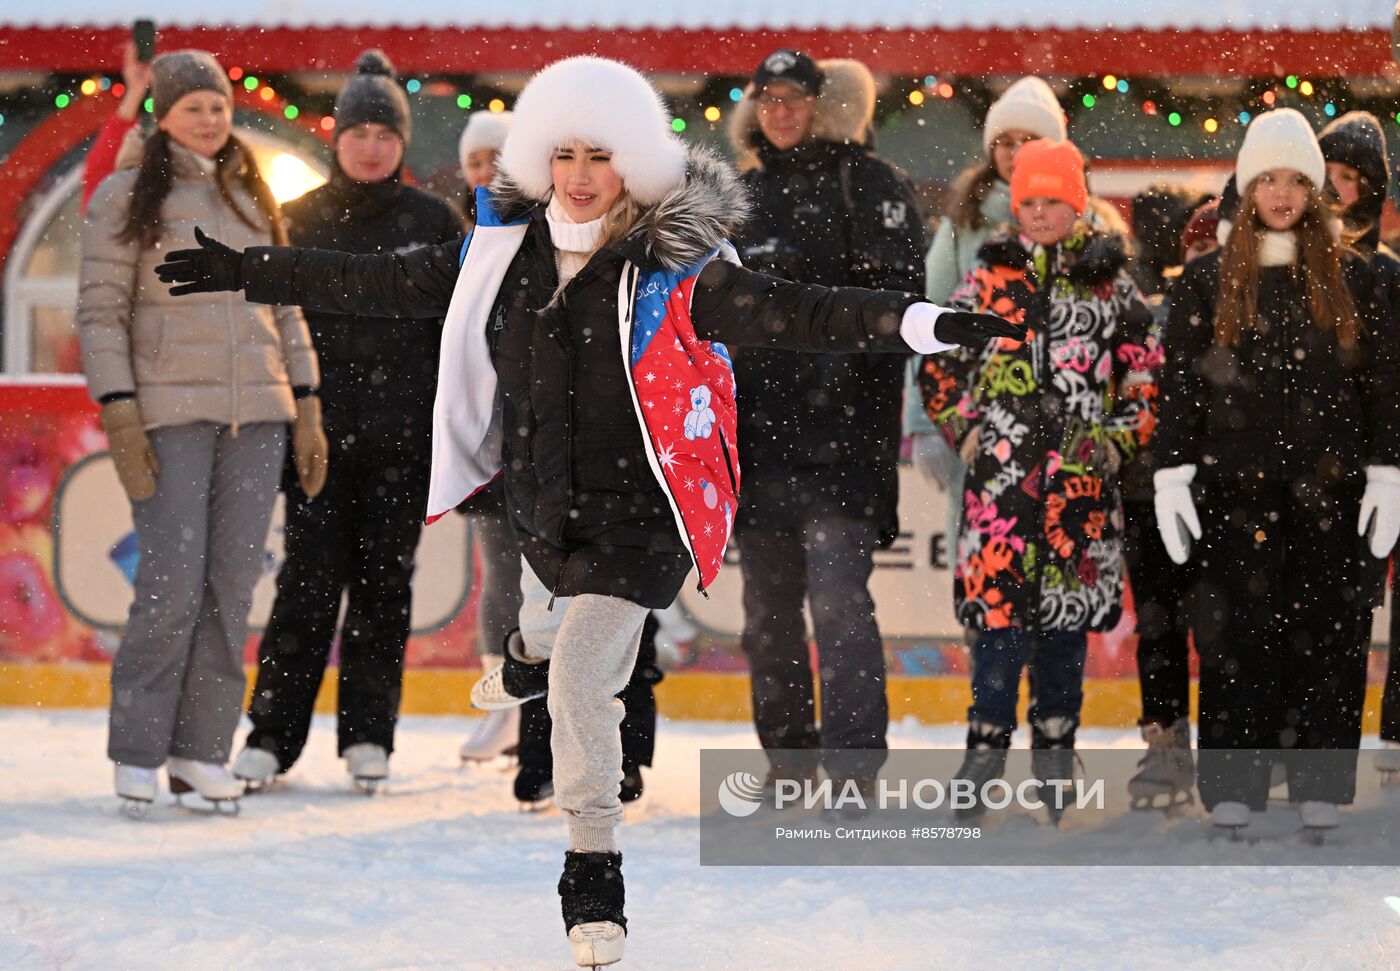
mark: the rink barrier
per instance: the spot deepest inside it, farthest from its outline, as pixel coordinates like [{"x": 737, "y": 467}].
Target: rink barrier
[{"x": 684, "y": 695}]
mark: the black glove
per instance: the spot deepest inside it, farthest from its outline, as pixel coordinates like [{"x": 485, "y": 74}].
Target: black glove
[
  {"x": 974, "y": 330},
  {"x": 213, "y": 268}
]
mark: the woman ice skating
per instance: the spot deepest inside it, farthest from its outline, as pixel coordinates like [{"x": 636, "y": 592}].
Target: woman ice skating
[
  {"x": 196, "y": 396},
  {"x": 1281, "y": 418},
  {"x": 358, "y": 537},
  {"x": 1044, "y": 426},
  {"x": 583, "y": 312}
]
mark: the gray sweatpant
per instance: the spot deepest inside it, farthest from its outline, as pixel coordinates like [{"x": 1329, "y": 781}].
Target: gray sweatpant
[
  {"x": 592, "y": 643},
  {"x": 177, "y": 678}
]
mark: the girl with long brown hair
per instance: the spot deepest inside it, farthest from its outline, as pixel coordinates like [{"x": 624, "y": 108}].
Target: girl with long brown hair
[
  {"x": 196, "y": 397},
  {"x": 1281, "y": 404}
]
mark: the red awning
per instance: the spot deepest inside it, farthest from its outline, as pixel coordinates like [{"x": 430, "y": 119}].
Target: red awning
[{"x": 1355, "y": 52}]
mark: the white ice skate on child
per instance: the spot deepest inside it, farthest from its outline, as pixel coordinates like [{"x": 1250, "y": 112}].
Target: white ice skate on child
[
  {"x": 1319, "y": 819},
  {"x": 368, "y": 765},
  {"x": 1388, "y": 763},
  {"x": 1233, "y": 817},
  {"x": 498, "y": 733},
  {"x": 597, "y": 943},
  {"x": 209, "y": 780},
  {"x": 256, "y": 768},
  {"x": 137, "y": 788}
]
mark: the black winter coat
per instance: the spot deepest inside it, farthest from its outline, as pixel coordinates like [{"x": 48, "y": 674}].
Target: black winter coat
[
  {"x": 1289, "y": 403},
  {"x": 830, "y": 213},
  {"x": 579, "y": 491},
  {"x": 374, "y": 370}
]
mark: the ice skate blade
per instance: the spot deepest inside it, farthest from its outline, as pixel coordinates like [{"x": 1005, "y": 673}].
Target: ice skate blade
[
  {"x": 138, "y": 809},
  {"x": 1175, "y": 799},
  {"x": 368, "y": 786},
  {"x": 253, "y": 787},
  {"x": 209, "y": 807}
]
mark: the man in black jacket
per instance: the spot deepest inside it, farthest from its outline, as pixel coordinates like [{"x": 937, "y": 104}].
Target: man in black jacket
[
  {"x": 1358, "y": 169},
  {"x": 819, "y": 434},
  {"x": 360, "y": 534}
]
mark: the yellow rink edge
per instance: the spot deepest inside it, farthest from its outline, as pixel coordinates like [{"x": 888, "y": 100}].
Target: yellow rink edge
[{"x": 685, "y": 695}]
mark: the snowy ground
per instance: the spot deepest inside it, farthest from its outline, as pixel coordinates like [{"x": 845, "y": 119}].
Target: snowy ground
[{"x": 442, "y": 871}]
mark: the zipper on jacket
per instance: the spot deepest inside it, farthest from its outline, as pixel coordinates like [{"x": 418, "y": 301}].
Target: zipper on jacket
[{"x": 568, "y": 469}]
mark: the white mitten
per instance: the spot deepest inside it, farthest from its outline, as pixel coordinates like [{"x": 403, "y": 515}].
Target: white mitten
[
  {"x": 1380, "y": 509},
  {"x": 1176, "y": 510}
]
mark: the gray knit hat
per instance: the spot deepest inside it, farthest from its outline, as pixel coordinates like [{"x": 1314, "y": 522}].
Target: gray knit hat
[
  {"x": 176, "y": 74},
  {"x": 373, "y": 96}
]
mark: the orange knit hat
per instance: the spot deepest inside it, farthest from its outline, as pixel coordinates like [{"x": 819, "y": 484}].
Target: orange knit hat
[{"x": 1052, "y": 170}]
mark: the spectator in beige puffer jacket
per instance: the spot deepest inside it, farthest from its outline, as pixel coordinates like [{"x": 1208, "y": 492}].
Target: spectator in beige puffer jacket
[{"x": 196, "y": 398}]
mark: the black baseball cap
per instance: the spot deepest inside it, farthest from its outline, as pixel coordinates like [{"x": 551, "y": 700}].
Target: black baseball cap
[{"x": 789, "y": 67}]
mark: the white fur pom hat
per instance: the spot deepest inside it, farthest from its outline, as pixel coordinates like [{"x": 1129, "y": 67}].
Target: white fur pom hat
[
  {"x": 601, "y": 102},
  {"x": 485, "y": 129},
  {"x": 1280, "y": 139},
  {"x": 1029, "y": 104}
]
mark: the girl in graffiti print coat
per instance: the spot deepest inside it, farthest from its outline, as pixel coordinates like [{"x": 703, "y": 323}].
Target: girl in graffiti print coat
[{"x": 1044, "y": 425}]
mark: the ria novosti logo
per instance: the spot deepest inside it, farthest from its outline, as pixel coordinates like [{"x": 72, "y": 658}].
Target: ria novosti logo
[{"x": 741, "y": 794}]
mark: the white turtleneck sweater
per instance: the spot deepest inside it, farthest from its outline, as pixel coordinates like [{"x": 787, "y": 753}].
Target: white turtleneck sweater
[{"x": 573, "y": 242}]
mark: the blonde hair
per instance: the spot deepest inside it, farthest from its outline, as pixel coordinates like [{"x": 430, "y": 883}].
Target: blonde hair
[
  {"x": 620, "y": 219},
  {"x": 1320, "y": 267}
]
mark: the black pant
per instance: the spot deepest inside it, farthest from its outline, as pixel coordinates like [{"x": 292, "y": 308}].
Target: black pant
[
  {"x": 638, "y": 725},
  {"x": 1282, "y": 616},
  {"x": 357, "y": 537},
  {"x": 1159, "y": 594},
  {"x": 827, "y": 562}
]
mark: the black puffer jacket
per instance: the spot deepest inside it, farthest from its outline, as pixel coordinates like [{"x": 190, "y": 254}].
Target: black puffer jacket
[
  {"x": 1289, "y": 403},
  {"x": 373, "y": 371},
  {"x": 591, "y": 516},
  {"x": 823, "y": 430}
]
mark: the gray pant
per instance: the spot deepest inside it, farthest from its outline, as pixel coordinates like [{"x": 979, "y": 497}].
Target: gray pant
[
  {"x": 592, "y": 643},
  {"x": 177, "y": 679},
  {"x": 498, "y": 611}
]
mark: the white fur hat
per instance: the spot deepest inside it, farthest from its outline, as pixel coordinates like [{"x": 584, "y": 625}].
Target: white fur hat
[
  {"x": 1280, "y": 139},
  {"x": 601, "y": 102},
  {"x": 485, "y": 129},
  {"x": 1029, "y": 104}
]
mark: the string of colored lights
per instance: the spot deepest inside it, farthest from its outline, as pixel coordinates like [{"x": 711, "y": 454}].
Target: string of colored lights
[{"x": 1212, "y": 118}]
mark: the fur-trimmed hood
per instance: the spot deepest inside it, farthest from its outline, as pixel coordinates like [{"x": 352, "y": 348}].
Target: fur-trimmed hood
[
  {"x": 689, "y": 221},
  {"x": 843, "y": 113}
]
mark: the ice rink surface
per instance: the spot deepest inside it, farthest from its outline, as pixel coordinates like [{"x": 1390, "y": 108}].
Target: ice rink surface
[{"x": 443, "y": 871}]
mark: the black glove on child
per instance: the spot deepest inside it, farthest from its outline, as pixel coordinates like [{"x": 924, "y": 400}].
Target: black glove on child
[
  {"x": 213, "y": 268},
  {"x": 975, "y": 330}
]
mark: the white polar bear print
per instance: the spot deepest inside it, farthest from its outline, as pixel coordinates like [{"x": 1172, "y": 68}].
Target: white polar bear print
[{"x": 701, "y": 420}]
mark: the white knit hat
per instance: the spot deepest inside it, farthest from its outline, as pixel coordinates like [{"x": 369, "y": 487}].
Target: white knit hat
[
  {"x": 605, "y": 104},
  {"x": 1029, "y": 104},
  {"x": 485, "y": 129},
  {"x": 1280, "y": 139}
]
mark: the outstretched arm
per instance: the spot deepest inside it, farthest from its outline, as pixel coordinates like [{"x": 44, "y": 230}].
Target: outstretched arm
[
  {"x": 745, "y": 308},
  {"x": 414, "y": 284}
]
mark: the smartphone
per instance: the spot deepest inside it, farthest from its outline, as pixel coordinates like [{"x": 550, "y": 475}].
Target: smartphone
[{"x": 143, "y": 32}]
